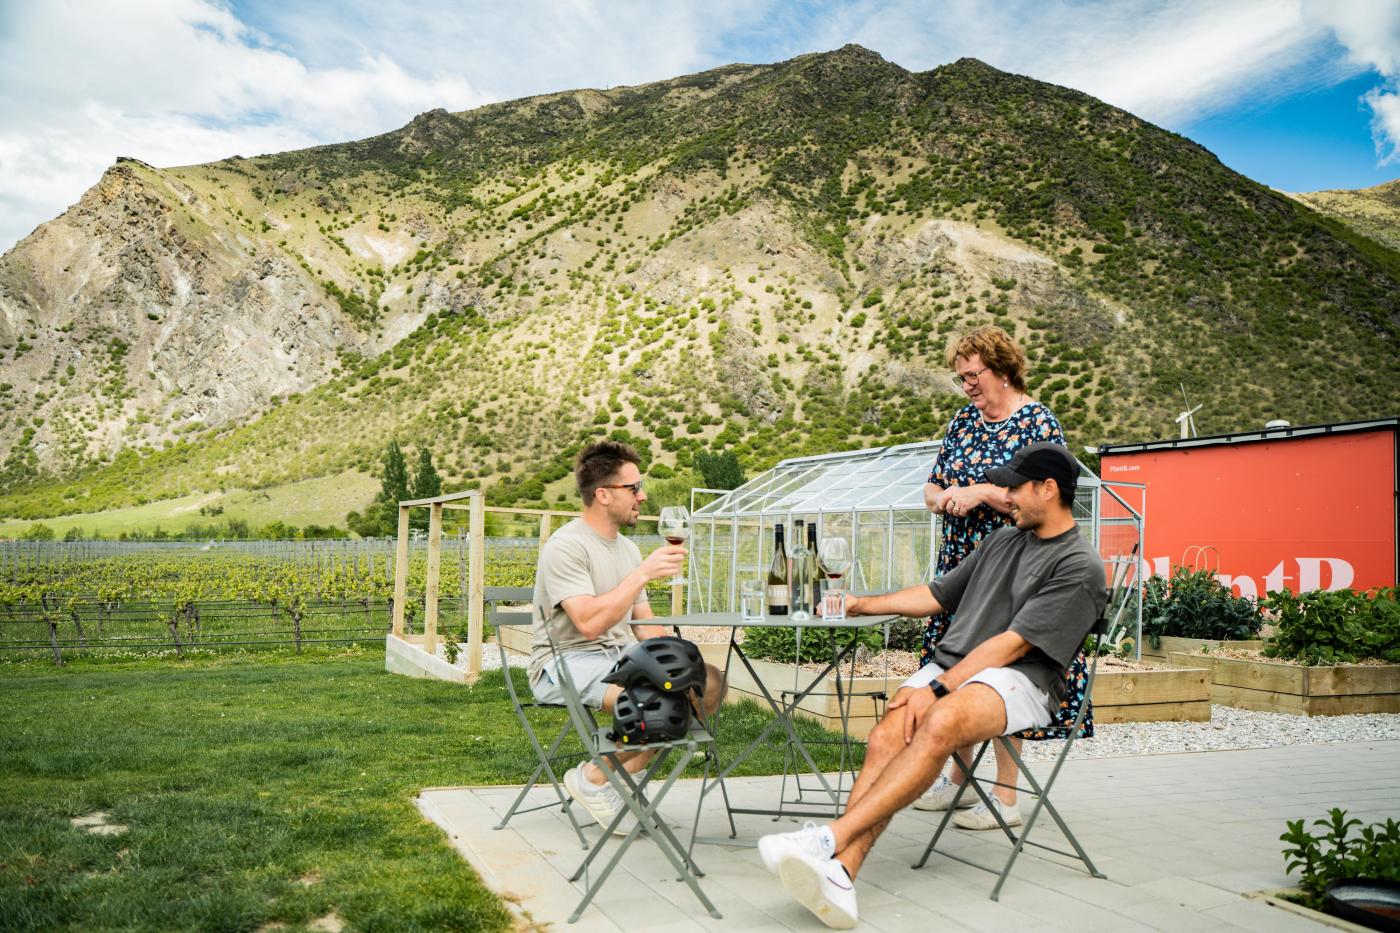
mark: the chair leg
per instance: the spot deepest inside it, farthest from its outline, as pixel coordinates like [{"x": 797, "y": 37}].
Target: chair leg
[{"x": 544, "y": 766}]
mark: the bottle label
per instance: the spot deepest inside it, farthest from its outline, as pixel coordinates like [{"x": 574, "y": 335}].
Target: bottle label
[{"x": 777, "y": 596}]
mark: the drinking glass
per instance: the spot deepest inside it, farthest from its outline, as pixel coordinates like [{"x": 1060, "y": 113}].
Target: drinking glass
[
  {"x": 751, "y": 599},
  {"x": 834, "y": 561},
  {"x": 674, "y": 526}
]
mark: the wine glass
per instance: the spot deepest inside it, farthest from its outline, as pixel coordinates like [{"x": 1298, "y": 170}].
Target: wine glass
[
  {"x": 834, "y": 561},
  {"x": 674, "y": 526}
]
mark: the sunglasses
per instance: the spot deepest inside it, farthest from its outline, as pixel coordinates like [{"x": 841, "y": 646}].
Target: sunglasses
[{"x": 635, "y": 487}]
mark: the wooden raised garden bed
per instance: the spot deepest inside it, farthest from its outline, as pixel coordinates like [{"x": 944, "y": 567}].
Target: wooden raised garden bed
[
  {"x": 1161, "y": 695},
  {"x": 1168, "y": 645},
  {"x": 1271, "y": 686}
]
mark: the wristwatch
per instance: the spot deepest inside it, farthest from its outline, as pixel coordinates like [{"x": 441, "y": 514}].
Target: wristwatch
[{"x": 938, "y": 689}]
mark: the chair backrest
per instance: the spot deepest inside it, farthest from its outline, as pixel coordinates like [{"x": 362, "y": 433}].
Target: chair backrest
[{"x": 508, "y": 594}]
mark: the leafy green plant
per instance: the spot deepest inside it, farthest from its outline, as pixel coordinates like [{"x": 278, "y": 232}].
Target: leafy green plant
[
  {"x": 1374, "y": 852},
  {"x": 780, "y": 644},
  {"x": 1195, "y": 604},
  {"x": 1334, "y": 627}
]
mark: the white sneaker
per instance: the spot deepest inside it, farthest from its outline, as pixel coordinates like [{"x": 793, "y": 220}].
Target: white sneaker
[
  {"x": 979, "y": 817},
  {"x": 602, "y": 803},
  {"x": 822, "y": 886},
  {"x": 940, "y": 796},
  {"x": 809, "y": 839}
]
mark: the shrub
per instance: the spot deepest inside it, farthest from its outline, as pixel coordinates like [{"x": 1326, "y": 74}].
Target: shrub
[
  {"x": 1336, "y": 627},
  {"x": 1372, "y": 853},
  {"x": 1195, "y": 604}
]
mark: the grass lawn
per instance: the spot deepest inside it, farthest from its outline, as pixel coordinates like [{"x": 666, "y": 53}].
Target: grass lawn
[{"x": 257, "y": 789}]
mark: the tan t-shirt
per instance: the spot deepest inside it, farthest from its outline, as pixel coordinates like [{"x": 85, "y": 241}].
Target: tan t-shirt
[{"x": 577, "y": 561}]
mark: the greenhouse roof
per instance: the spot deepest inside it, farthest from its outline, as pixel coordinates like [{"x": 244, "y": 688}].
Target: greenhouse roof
[{"x": 876, "y": 478}]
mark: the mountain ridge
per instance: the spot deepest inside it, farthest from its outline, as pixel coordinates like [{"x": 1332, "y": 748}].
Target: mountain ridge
[{"x": 763, "y": 257}]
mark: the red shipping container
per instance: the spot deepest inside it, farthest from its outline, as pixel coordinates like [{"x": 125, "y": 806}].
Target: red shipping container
[{"x": 1298, "y": 508}]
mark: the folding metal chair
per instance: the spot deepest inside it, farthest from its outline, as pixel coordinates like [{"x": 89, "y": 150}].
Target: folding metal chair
[
  {"x": 1106, "y": 623},
  {"x": 642, "y": 803},
  {"x": 546, "y": 758}
]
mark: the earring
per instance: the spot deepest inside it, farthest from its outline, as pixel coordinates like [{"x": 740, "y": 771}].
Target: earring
[{"x": 1005, "y": 384}]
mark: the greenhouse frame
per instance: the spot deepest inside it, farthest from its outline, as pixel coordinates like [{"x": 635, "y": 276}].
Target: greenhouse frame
[{"x": 874, "y": 498}]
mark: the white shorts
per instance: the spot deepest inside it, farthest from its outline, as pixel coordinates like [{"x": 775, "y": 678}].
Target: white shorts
[{"x": 1027, "y": 706}]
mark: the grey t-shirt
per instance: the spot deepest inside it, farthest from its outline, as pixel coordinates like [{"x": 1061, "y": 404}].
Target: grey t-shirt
[
  {"x": 578, "y": 561},
  {"x": 1049, "y": 591}
]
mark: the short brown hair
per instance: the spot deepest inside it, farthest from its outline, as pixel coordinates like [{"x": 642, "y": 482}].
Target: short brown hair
[
  {"x": 999, "y": 351},
  {"x": 599, "y": 462}
]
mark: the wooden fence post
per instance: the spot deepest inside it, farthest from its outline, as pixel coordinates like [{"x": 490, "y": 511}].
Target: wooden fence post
[
  {"x": 476, "y": 573},
  {"x": 401, "y": 572},
  {"x": 430, "y": 595}
]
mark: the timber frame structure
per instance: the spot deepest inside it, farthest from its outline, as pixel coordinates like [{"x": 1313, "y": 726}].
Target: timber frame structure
[{"x": 418, "y": 653}]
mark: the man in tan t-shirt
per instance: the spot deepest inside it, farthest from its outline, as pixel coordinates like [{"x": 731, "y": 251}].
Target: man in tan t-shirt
[{"x": 590, "y": 596}]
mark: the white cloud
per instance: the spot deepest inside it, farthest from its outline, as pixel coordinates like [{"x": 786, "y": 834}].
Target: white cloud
[
  {"x": 183, "y": 81},
  {"x": 172, "y": 82},
  {"x": 1369, "y": 30}
]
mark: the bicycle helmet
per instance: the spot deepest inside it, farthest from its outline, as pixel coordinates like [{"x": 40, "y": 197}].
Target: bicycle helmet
[
  {"x": 644, "y": 714},
  {"x": 665, "y": 663}
]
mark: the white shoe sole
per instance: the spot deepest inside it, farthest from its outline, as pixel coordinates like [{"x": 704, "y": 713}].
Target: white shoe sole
[
  {"x": 803, "y": 881},
  {"x": 1012, "y": 819}
]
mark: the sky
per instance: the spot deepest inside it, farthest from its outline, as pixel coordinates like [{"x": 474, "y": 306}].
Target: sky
[{"x": 1301, "y": 95}]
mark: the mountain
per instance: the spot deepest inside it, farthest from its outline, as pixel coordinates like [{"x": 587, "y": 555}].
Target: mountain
[
  {"x": 1372, "y": 212},
  {"x": 769, "y": 258}
]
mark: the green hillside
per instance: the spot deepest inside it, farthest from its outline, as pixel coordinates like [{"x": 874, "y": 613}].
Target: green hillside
[{"x": 766, "y": 258}]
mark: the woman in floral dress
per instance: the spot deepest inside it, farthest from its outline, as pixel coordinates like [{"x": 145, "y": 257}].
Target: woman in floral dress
[{"x": 1000, "y": 419}]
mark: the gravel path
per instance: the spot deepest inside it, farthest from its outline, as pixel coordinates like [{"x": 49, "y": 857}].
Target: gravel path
[{"x": 1228, "y": 728}]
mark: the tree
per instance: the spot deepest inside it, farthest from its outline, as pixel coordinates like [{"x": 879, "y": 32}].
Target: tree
[
  {"x": 393, "y": 488},
  {"x": 720, "y": 471},
  {"x": 426, "y": 484}
]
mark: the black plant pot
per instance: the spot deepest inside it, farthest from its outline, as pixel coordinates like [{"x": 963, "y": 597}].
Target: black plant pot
[{"x": 1370, "y": 902}]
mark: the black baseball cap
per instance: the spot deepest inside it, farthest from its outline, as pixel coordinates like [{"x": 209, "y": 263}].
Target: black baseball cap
[{"x": 1043, "y": 460}]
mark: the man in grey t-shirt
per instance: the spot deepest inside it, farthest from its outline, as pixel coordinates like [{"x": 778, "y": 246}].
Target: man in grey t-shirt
[
  {"x": 590, "y": 601},
  {"x": 1025, "y": 600}
]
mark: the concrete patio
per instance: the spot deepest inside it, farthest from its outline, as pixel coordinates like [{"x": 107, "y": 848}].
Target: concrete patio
[{"x": 1183, "y": 838}]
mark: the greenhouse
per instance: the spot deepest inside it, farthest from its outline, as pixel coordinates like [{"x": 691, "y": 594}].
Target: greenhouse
[{"x": 875, "y": 499}]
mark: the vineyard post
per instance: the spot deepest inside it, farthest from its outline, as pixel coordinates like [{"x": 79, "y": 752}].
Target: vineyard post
[
  {"x": 430, "y": 596},
  {"x": 401, "y": 572},
  {"x": 545, "y": 522},
  {"x": 461, "y": 573},
  {"x": 477, "y": 575}
]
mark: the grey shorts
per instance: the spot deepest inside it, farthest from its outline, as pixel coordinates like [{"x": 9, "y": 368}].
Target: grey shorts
[{"x": 587, "y": 670}]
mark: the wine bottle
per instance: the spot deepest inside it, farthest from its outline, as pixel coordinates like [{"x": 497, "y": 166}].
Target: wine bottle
[
  {"x": 814, "y": 568},
  {"x": 778, "y": 595},
  {"x": 801, "y": 570}
]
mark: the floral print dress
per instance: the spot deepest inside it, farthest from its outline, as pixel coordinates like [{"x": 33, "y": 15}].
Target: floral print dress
[{"x": 971, "y": 447}]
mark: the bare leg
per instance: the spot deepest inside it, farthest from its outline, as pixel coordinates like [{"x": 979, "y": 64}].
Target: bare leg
[
  {"x": 972, "y": 714},
  {"x": 1007, "y": 774}
]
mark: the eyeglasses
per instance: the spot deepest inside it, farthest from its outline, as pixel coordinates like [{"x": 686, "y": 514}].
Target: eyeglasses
[
  {"x": 635, "y": 487},
  {"x": 967, "y": 379}
]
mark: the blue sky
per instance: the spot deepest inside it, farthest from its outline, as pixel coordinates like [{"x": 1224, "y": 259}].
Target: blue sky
[{"x": 1298, "y": 94}]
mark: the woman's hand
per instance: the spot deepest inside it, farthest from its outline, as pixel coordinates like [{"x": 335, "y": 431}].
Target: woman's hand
[{"x": 960, "y": 500}]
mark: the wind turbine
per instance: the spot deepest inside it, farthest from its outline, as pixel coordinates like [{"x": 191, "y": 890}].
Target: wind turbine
[{"x": 1186, "y": 419}]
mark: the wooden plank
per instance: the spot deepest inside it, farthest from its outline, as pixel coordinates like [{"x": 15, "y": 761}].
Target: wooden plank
[
  {"x": 476, "y": 583},
  {"x": 430, "y": 587},
  {"x": 401, "y": 571},
  {"x": 1274, "y": 702},
  {"x": 1168, "y": 685},
  {"x": 1253, "y": 675},
  {"x": 1192, "y": 711},
  {"x": 1169, "y": 644},
  {"x": 1350, "y": 679}
]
